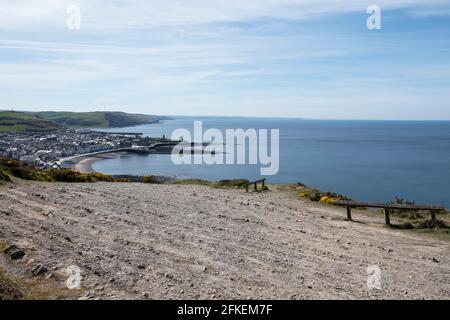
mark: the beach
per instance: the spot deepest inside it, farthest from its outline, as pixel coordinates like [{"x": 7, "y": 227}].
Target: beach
[
  {"x": 83, "y": 164},
  {"x": 373, "y": 161}
]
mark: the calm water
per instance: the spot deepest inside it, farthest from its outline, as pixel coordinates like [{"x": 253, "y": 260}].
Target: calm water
[{"x": 366, "y": 160}]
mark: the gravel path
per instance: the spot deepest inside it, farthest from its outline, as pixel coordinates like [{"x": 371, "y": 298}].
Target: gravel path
[{"x": 188, "y": 242}]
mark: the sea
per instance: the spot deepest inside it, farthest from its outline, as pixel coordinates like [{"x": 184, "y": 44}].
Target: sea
[{"x": 364, "y": 160}]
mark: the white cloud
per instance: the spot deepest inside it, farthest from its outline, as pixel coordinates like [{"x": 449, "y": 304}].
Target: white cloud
[
  {"x": 107, "y": 14},
  {"x": 179, "y": 55}
]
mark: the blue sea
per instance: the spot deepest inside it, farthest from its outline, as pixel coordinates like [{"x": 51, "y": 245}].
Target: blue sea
[{"x": 365, "y": 160}]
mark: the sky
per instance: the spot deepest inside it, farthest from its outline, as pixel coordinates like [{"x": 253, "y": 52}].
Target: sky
[{"x": 267, "y": 58}]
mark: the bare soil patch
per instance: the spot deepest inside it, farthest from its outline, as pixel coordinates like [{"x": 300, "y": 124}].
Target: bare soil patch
[{"x": 139, "y": 241}]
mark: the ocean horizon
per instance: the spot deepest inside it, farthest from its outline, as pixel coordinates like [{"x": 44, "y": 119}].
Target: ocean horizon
[{"x": 365, "y": 160}]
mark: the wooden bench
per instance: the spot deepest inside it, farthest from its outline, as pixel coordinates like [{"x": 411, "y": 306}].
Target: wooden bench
[
  {"x": 255, "y": 183},
  {"x": 387, "y": 208}
]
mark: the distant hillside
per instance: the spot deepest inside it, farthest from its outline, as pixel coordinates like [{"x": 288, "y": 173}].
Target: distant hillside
[
  {"x": 50, "y": 121},
  {"x": 22, "y": 121},
  {"x": 96, "y": 119}
]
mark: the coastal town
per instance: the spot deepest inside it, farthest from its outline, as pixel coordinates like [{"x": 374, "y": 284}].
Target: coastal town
[{"x": 50, "y": 149}]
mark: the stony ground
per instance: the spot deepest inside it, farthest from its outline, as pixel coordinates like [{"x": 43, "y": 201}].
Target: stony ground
[{"x": 139, "y": 241}]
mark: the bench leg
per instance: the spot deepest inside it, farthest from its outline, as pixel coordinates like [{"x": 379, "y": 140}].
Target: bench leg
[
  {"x": 387, "y": 218},
  {"x": 433, "y": 215},
  {"x": 349, "y": 213}
]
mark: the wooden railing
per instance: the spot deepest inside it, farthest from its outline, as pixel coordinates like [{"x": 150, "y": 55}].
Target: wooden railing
[{"x": 387, "y": 208}]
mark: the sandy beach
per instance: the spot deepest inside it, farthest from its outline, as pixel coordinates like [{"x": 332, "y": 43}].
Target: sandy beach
[{"x": 84, "y": 164}]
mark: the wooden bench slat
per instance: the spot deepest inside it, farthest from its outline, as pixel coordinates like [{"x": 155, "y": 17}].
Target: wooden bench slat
[
  {"x": 387, "y": 205},
  {"x": 257, "y": 181},
  {"x": 387, "y": 208},
  {"x": 263, "y": 181}
]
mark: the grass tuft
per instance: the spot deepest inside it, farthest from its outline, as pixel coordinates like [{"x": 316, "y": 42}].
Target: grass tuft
[
  {"x": 198, "y": 182},
  {"x": 33, "y": 288},
  {"x": 4, "y": 177},
  {"x": 150, "y": 179},
  {"x": 234, "y": 183},
  {"x": 9, "y": 289}
]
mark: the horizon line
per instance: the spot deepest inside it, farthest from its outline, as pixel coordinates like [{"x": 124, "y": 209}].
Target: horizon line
[{"x": 239, "y": 116}]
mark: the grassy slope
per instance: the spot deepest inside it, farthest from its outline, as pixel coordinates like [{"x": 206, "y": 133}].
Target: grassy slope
[
  {"x": 96, "y": 119},
  {"x": 50, "y": 121},
  {"x": 4, "y": 177},
  {"x": 75, "y": 119},
  {"x": 24, "y": 121},
  {"x": 14, "y": 168}
]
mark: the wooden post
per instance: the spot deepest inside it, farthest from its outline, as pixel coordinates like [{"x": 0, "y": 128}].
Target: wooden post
[
  {"x": 387, "y": 218},
  {"x": 349, "y": 213},
  {"x": 433, "y": 215},
  {"x": 256, "y": 186},
  {"x": 246, "y": 187},
  {"x": 263, "y": 183}
]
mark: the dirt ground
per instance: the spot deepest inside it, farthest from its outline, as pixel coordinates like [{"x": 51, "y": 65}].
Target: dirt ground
[{"x": 142, "y": 241}]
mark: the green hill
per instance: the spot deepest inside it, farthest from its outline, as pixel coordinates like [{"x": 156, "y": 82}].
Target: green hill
[
  {"x": 50, "y": 121},
  {"x": 23, "y": 121},
  {"x": 96, "y": 119}
]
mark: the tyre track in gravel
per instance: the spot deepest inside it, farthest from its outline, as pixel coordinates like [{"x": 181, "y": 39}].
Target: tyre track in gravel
[{"x": 163, "y": 241}]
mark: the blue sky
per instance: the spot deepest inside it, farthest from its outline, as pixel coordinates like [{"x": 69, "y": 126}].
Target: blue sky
[{"x": 283, "y": 58}]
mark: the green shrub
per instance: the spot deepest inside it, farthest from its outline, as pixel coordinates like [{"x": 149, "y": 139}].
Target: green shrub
[
  {"x": 235, "y": 183},
  {"x": 323, "y": 197},
  {"x": 193, "y": 182},
  {"x": 21, "y": 170},
  {"x": 149, "y": 179},
  {"x": 405, "y": 213},
  {"x": 69, "y": 175},
  {"x": 4, "y": 177},
  {"x": 432, "y": 224},
  {"x": 10, "y": 163},
  {"x": 312, "y": 194},
  {"x": 27, "y": 173},
  {"x": 100, "y": 177}
]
